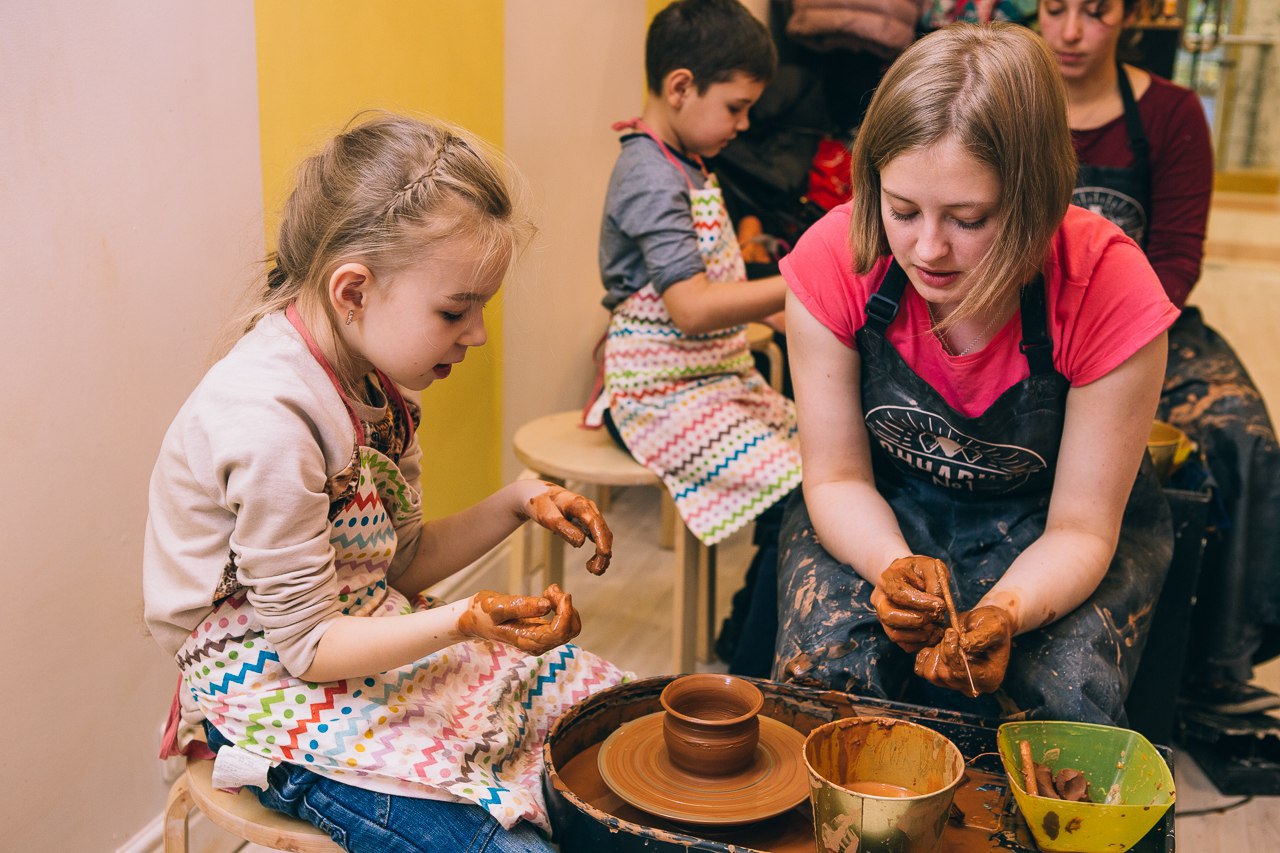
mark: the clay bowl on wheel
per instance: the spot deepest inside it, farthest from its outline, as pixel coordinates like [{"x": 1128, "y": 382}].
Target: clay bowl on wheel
[{"x": 712, "y": 723}]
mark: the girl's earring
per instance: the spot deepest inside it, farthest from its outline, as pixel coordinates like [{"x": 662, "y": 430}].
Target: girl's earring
[{"x": 351, "y": 315}]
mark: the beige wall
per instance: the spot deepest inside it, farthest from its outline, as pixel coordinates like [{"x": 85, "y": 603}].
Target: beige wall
[
  {"x": 131, "y": 218},
  {"x": 573, "y": 67},
  {"x": 130, "y": 210}
]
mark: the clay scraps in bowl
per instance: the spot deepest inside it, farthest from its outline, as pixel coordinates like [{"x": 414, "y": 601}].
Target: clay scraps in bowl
[
  {"x": 1067, "y": 784},
  {"x": 1039, "y": 780}
]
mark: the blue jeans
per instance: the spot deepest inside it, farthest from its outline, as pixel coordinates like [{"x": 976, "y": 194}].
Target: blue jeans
[{"x": 361, "y": 820}]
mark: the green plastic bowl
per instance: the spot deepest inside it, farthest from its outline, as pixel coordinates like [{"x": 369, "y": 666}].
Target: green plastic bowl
[{"x": 1128, "y": 779}]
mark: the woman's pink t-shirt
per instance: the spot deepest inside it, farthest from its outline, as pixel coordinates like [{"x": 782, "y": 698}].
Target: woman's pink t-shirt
[{"x": 1105, "y": 303}]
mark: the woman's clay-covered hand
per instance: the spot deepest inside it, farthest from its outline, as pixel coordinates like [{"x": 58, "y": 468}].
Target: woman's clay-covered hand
[
  {"x": 984, "y": 647},
  {"x": 574, "y": 519},
  {"x": 909, "y": 601},
  {"x": 532, "y": 623}
]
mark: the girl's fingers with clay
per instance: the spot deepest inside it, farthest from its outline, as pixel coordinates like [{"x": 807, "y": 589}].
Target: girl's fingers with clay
[
  {"x": 574, "y": 519},
  {"x": 502, "y": 617},
  {"x": 567, "y": 624},
  {"x": 542, "y": 635},
  {"x": 974, "y": 662},
  {"x": 909, "y": 602},
  {"x": 533, "y": 624}
]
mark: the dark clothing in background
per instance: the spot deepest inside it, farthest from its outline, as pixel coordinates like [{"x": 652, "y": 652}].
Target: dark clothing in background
[
  {"x": 1181, "y": 182},
  {"x": 1162, "y": 201},
  {"x": 814, "y": 96}
]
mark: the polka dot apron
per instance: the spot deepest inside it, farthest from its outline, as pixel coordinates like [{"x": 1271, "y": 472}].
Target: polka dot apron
[{"x": 466, "y": 723}]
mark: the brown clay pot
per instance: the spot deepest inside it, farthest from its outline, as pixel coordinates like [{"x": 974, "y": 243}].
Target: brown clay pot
[{"x": 711, "y": 726}]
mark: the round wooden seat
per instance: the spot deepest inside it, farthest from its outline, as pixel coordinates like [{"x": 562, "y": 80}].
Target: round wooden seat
[
  {"x": 556, "y": 448},
  {"x": 239, "y": 814}
]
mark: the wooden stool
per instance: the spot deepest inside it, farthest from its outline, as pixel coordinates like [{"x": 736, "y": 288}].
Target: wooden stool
[
  {"x": 555, "y": 448},
  {"x": 760, "y": 339},
  {"x": 239, "y": 814}
]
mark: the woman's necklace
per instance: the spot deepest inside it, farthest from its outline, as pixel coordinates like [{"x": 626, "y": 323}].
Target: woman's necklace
[{"x": 973, "y": 344}]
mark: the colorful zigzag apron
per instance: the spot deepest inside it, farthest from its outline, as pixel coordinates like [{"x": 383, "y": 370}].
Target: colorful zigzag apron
[
  {"x": 466, "y": 723},
  {"x": 692, "y": 408}
]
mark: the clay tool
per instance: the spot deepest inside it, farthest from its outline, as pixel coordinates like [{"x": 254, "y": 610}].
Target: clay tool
[
  {"x": 955, "y": 623},
  {"x": 1028, "y": 769}
]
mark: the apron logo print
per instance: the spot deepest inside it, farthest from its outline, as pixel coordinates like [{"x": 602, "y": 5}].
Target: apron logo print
[
  {"x": 922, "y": 441},
  {"x": 950, "y": 448},
  {"x": 1121, "y": 209}
]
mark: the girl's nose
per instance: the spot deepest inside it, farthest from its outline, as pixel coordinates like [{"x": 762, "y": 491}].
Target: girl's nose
[
  {"x": 931, "y": 243},
  {"x": 475, "y": 334}
]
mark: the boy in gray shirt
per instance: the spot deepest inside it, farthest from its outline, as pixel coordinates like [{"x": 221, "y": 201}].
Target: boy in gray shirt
[{"x": 679, "y": 387}]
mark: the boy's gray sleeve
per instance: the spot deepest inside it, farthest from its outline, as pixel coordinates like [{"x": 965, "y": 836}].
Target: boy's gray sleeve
[{"x": 652, "y": 209}]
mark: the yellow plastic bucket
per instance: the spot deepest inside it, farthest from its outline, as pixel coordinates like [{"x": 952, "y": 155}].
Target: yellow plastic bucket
[
  {"x": 1130, "y": 784},
  {"x": 1168, "y": 447}
]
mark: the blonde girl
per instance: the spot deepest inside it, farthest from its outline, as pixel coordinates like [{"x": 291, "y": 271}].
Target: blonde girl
[{"x": 285, "y": 540}]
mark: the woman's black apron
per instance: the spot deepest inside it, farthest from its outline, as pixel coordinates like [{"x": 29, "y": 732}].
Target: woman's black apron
[
  {"x": 1121, "y": 194},
  {"x": 1209, "y": 395},
  {"x": 973, "y": 492}
]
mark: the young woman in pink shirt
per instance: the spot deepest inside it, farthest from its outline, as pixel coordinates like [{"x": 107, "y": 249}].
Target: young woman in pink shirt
[{"x": 976, "y": 366}]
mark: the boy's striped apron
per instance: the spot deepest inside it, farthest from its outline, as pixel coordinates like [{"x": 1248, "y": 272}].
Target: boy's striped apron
[
  {"x": 466, "y": 723},
  {"x": 692, "y": 408}
]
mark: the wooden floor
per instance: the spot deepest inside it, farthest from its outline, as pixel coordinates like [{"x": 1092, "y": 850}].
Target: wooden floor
[{"x": 627, "y": 613}]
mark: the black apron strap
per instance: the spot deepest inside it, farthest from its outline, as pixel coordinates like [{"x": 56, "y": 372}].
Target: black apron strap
[
  {"x": 1036, "y": 345},
  {"x": 1138, "y": 143},
  {"x": 1139, "y": 146},
  {"x": 882, "y": 306}
]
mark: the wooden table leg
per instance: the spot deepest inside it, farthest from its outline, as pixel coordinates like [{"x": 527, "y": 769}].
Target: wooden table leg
[
  {"x": 707, "y": 591},
  {"x": 555, "y": 552},
  {"x": 685, "y": 606},
  {"x": 670, "y": 522}
]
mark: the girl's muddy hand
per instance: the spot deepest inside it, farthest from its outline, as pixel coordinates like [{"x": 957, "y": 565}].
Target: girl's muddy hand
[
  {"x": 509, "y": 619},
  {"x": 533, "y": 624},
  {"x": 574, "y": 519}
]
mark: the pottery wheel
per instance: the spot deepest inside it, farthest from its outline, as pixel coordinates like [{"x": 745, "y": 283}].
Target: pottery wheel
[{"x": 633, "y": 762}]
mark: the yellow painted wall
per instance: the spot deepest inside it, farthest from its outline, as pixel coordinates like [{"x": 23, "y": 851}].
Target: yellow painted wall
[{"x": 320, "y": 62}]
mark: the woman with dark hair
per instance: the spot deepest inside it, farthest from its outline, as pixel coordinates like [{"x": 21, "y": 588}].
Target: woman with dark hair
[{"x": 1146, "y": 163}]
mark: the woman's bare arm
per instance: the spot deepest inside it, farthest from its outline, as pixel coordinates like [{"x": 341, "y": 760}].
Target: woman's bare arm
[
  {"x": 1104, "y": 437},
  {"x": 854, "y": 523}
]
